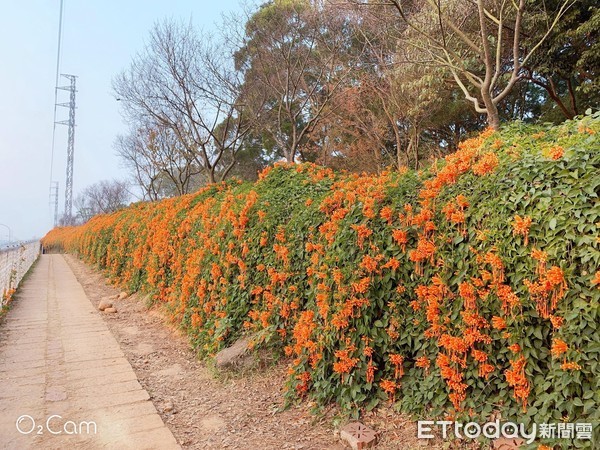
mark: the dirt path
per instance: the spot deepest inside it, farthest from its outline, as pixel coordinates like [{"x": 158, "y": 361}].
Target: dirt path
[{"x": 205, "y": 411}]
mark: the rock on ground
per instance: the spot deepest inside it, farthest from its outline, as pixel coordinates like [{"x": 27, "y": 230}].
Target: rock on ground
[{"x": 235, "y": 357}]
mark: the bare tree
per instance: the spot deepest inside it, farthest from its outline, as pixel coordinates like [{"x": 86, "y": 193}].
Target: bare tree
[
  {"x": 146, "y": 175},
  {"x": 101, "y": 198},
  {"x": 160, "y": 165},
  {"x": 185, "y": 82},
  {"x": 385, "y": 113},
  {"x": 478, "y": 41}
]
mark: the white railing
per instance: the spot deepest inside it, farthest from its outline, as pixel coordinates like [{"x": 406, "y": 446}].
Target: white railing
[{"x": 15, "y": 261}]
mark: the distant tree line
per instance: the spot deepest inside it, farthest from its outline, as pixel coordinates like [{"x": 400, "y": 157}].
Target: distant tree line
[
  {"x": 352, "y": 84},
  {"x": 103, "y": 197}
]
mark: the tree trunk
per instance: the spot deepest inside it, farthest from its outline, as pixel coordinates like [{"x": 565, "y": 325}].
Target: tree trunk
[
  {"x": 493, "y": 117},
  {"x": 289, "y": 155}
]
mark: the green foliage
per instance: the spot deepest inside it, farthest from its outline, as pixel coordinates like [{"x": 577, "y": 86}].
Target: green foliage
[{"x": 327, "y": 268}]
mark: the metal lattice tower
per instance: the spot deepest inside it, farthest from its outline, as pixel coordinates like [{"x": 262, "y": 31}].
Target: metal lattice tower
[{"x": 68, "y": 216}]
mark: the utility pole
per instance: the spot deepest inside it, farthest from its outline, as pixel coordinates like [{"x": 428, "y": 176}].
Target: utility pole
[
  {"x": 70, "y": 146},
  {"x": 54, "y": 184},
  {"x": 54, "y": 198}
]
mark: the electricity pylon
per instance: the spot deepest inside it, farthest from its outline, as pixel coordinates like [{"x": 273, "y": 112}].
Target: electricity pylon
[{"x": 68, "y": 216}]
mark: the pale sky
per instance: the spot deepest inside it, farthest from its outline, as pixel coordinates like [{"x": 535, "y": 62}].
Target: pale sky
[{"x": 100, "y": 37}]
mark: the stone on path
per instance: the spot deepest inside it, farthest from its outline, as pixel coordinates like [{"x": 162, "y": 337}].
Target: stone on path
[
  {"x": 234, "y": 357},
  {"x": 358, "y": 436},
  {"x": 112, "y": 309},
  {"x": 168, "y": 406},
  {"x": 104, "y": 304}
]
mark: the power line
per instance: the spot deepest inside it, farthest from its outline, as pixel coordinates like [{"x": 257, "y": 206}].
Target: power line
[{"x": 53, "y": 184}]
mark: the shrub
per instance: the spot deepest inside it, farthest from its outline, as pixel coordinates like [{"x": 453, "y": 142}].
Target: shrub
[{"x": 465, "y": 289}]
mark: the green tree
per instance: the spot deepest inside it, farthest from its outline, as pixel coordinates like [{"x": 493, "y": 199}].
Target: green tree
[
  {"x": 481, "y": 43},
  {"x": 566, "y": 65},
  {"x": 294, "y": 56}
]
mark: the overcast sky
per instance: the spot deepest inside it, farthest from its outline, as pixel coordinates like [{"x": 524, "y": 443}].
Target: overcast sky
[{"x": 99, "y": 39}]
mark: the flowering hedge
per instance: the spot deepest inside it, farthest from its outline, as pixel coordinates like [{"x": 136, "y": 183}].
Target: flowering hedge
[{"x": 469, "y": 288}]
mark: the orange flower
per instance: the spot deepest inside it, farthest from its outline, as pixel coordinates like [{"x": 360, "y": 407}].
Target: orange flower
[
  {"x": 555, "y": 276},
  {"x": 370, "y": 375},
  {"x": 397, "y": 361},
  {"x": 521, "y": 227},
  {"x": 363, "y": 232},
  {"x": 387, "y": 214},
  {"x": 422, "y": 362},
  {"x": 557, "y": 321},
  {"x": 497, "y": 267},
  {"x": 558, "y": 347},
  {"x": 401, "y": 238},
  {"x": 389, "y": 387},
  {"x": 515, "y": 348},
  {"x": 556, "y": 152},
  {"x": 570, "y": 366},
  {"x": 462, "y": 201},
  {"x": 302, "y": 387},
  {"x": 338, "y": 276},
  {"x": 457, "y": 398},
  {"x": 263, "y": 239},
  {"x": 508, "y": 297},
  {"x": 596, "y": 279},
  {"x": 486, "y": 164},
  {"x": 453, "y": 343},
  {"x": 539, "y": 255},
  {"x": 498, "y": 323},
  {"x": 457, "y": 217},
  {"x": 216, "y": 271},
  {"x": 339, "y": 214},
  {"x": 393, "y": 264},
  {"x": 467, "y": 292},
  {"x": 369, "y": 264},
  {"x": 362, "y": 285},
  {"x": 425, "y": 250},
  {"x": 515, "y": 377},
  {"x": 479, "y": 356},
  {"x": 280, "y": 235},
  {"x": 345, "y": 362},
  {"x": 485, "y": 370}
]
